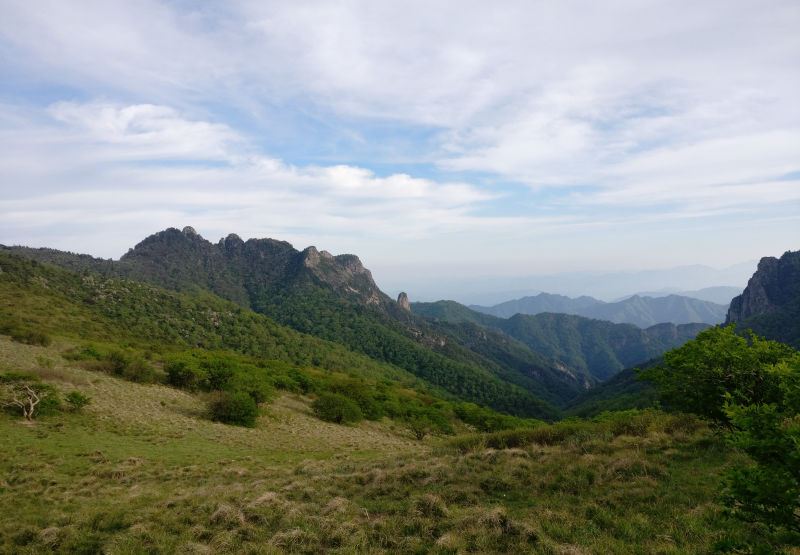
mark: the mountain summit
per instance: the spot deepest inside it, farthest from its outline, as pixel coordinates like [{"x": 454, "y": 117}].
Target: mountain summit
[{"x": 243, "y": 271}]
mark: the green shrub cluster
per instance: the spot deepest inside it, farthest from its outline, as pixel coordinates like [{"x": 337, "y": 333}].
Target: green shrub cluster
[
  {"x": 750, "y": 388},
  {"x": 236, "y": 408},
  {"x": 335, "y": 407}
]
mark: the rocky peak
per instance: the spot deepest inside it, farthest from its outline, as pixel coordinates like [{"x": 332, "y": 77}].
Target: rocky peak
[
  {"x": 232, "y": 241},
  {"x": 402, "y": 300},
  {"x": 190, "y": 232},
  {"x": 775, "y": 283}
]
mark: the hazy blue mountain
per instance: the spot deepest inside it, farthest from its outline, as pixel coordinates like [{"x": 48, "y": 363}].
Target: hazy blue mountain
[
  {"x": 543, "y": 302},
  {"x": 720, "y": 294},
  {"x": 607, "y": 286},
  {"x": 641, "y": 311}
]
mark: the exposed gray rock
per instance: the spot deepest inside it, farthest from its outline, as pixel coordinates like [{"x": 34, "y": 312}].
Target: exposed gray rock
[
  {"x": 402, "y": 300},
  {"x": 775, "y": 283}
]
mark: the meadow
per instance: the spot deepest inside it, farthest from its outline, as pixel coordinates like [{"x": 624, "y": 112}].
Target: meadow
[{"x": 142, "y": 469}]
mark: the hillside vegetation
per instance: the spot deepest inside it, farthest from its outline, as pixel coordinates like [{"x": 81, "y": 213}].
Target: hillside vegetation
[
  {"x": 141, "y": 469},
  {"x": 593, "y": 350}
]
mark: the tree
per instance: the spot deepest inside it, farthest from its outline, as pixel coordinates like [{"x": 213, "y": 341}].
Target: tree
[
  {"x": 769, "y": 490},
  {"x": 751, "y": 387},
  {"x": 236, "y": 408},
  {"x": 28, "y": 394},
  {"x": 334, "y": 407},
  {"x": 716, "y": 368}
]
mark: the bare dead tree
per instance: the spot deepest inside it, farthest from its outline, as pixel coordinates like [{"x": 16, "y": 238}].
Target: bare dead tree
[{"x": 24, "y": 397}]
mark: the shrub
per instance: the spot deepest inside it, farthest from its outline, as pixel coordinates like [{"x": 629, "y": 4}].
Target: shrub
[
  {"x": 719, "y": 366},
  {"x": 236, "y": 408},
  {"x": 334, "y": 407},
  {"x": 140, "y": 371},
  {"x": 86, "y": 352},
  {"x": 182, "y": 374},
  {"x": 77, "y": 400}
]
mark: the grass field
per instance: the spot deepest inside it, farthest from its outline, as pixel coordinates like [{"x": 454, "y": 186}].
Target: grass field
[{"x": 140, "y": 469}]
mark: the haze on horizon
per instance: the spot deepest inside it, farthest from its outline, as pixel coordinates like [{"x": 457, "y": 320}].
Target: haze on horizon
[{"x": 443, "y": 143}]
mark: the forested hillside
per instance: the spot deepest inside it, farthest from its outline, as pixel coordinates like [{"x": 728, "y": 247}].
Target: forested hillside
[
  {"x": 47, "y": 299},
  {"x": 595, "y": 348}
]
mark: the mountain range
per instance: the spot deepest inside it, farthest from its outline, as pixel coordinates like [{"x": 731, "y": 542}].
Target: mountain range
[
  {"x": 526, "y": 365},
  {"x": 608, "y": 285},
  {"x": 642, "y": 311}
]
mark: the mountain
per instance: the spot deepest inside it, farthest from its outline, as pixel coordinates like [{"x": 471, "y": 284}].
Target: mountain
[
  {"x": 597, "y": 348},
  {"x": 335, "y": 299},
  {"x": 719, "y": 294},
  {"x": 770, "y": 304},
  {"x": 641, "y": 311},
  {"x": 543, "y": 302}
]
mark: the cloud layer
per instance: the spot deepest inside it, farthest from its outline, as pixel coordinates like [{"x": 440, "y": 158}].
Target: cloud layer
[{"x": 522, "y": 137}]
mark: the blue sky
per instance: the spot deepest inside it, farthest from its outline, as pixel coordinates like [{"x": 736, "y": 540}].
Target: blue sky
[{"x": 436, "y": 140}]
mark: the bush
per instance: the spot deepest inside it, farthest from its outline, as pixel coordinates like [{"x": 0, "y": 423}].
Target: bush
[
  {"x": 718, "y": 367},
  {"x": 77, "y": 400},
  {"x": 236, "y": 408},
  {"x": 183, "y": 375},
  {"x": 86, "y": 352},
  {"x": 333, "y": 407}
]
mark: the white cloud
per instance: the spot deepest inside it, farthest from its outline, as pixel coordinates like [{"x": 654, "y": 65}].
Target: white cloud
[{"x": 614, "y": 114}]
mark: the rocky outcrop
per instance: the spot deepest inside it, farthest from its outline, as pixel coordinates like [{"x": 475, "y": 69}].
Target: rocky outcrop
[
  {"x": 402, "y": 301},
  {"x": 344, "y": 274},
  {"x": 774, "y": 285}
]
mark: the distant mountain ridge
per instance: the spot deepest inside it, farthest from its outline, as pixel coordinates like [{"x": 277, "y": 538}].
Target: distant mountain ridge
[
  {"x": 640, "y": 311},
  {"x": 719, "y": 294}
]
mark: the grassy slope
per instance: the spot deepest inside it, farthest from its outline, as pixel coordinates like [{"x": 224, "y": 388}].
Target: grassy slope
[{"x": 139, "y": 469}]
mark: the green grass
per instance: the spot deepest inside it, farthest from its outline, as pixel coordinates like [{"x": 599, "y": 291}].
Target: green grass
[{"x": 141, "y": 469}]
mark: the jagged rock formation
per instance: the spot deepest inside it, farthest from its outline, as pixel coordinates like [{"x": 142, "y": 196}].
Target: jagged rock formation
[
  {"x": 770, "y": 304},
  {"x": 243, "y": 271},
  {"x": 775, "y": 284},
  {"x": 402, "y": 301}
]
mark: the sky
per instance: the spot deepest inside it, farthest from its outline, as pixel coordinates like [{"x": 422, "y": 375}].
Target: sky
[{"x": 441, "y": 142}]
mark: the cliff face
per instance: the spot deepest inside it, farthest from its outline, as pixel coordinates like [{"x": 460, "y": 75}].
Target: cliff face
[{"x": 774, "y": 286}]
